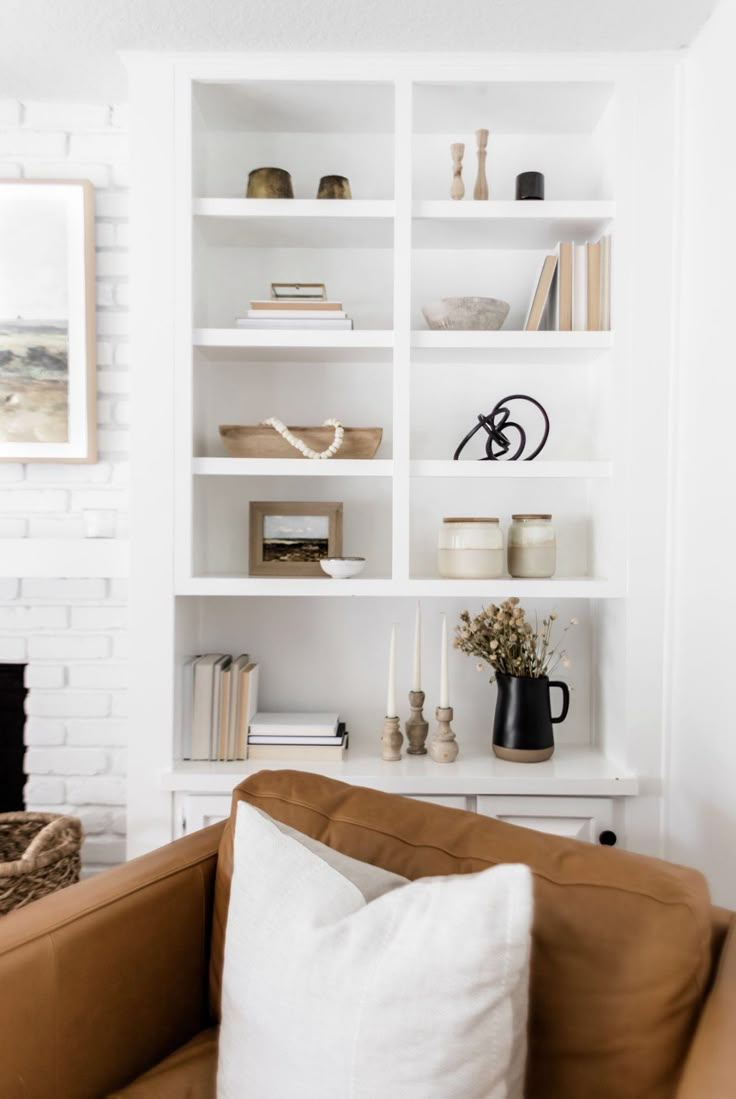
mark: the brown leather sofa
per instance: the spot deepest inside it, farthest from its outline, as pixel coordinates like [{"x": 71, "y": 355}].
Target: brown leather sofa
[{"x": 111, "y": 987}]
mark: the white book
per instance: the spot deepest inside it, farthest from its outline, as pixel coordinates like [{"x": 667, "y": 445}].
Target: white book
[
  {"x": 606, "y": 284},
  {"x": 233, "y": 717},
  {"x": 296, "y": 724},
  {"x": 294, "y": 314},
  {"x": 217, "y": 670},
  {"x": 186, "y": 688},
  {"x": 296, "y": 324},
  {"x": 204, "y": 675},
  {"x": 324, "y": 740},
  {"x": 579, "y": 288}
]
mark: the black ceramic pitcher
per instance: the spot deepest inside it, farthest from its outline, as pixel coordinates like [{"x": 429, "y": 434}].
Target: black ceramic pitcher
[{"x": 522, "y": 726}]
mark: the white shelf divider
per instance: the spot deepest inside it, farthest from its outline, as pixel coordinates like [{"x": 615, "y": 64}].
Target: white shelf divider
[
  {"x": 514, "y": 470},
  {"x": 546, "y": 210},
  {"x": 456, "y": 340},
  {"x": 291, "y": 467}
]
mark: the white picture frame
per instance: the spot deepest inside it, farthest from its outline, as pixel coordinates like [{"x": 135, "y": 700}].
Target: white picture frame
[{"x": 47, "y": 321}]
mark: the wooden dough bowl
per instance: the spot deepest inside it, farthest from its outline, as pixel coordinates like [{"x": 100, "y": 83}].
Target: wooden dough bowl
[{"x": 263, "y": 442}]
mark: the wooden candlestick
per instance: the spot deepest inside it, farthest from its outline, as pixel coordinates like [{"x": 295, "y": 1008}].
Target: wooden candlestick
[
  {"x": 480, "y": 191},
  {"x": 391, "y": 739},
  {"x": 416, "y": 727},
  {"x": 457, "y": 189},
  {"x": 443, "y": 746}
]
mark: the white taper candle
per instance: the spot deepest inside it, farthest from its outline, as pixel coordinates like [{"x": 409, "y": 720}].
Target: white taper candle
[
  {"x": 444, "y": 688},
  {"x": 416, "y": 683},
  {"x": 391, "y": 693}
]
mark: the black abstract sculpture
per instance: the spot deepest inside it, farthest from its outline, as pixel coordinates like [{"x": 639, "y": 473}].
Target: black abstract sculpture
[{"x": 497, "y": 425}]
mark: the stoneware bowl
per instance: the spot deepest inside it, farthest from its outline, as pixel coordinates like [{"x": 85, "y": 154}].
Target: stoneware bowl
[
  {"x": 342, "y": 568},
  {"x": 475, "y": 314}
]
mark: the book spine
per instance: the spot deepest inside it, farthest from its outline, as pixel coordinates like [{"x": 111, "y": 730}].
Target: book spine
[
  {"x": 564, "y": 298},
  {"x": 606, "y": 284},
  {"x": 579, "y": 288},
  {"x": 594, "y": 286}
]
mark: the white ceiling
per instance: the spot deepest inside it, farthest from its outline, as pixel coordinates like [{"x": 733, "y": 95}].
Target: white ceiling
[{"x": 66, "y": 49}]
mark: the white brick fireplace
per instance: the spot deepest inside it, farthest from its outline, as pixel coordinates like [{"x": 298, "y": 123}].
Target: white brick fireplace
[{"x": 71, "y": 631}]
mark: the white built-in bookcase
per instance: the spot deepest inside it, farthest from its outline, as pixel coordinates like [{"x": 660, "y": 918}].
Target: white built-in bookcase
[{"x": 604, "y": 134}]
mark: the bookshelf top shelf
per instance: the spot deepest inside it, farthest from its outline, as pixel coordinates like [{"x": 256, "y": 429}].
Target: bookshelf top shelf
[{"x": 585, "y": 587}]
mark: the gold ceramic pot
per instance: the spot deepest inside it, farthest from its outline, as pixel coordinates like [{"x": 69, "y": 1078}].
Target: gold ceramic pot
[
  {"x": 269, "y": 183},
  {"x": 334, "y": 187}
]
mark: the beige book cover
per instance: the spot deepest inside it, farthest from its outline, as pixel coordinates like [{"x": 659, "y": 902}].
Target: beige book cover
[
  {"x": 247, "y": 706},
  {"x": 594, "y": 286},
  {"x": 564, "y": 287},
  {"x": 541, "y": 294}
]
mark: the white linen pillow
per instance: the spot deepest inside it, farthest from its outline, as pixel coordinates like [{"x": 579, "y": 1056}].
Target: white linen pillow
[{"x": 419, "y": 994}]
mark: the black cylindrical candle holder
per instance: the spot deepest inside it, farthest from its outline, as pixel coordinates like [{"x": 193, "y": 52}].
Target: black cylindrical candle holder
[{"x": 530, "y": 185}]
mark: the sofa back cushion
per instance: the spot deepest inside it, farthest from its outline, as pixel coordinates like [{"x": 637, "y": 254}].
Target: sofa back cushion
[{"x": 620, "y": 942}]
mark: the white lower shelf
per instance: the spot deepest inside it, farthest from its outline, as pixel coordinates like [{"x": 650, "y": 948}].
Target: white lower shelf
[
  {"x": 573, "y": 771},
  {"x": 292, "y": 467},
  {"x": 556, "y": 588},
  {"x": 517, "y": 470},
  {"x": 296, "y": 338}
]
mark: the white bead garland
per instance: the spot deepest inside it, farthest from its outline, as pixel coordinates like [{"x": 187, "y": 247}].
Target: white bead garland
[{"x": 301, "y": 446}]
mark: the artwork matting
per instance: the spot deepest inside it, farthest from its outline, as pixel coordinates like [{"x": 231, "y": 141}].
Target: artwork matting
[{"x": 47, "y": 321}]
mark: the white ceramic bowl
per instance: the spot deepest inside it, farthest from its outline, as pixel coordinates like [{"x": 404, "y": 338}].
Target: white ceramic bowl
[
  {"x": 466, "y": 314},
  {"x": 342, "y": 568}
]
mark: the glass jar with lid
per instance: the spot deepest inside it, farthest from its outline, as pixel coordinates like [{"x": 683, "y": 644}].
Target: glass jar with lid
[
  {"x": 532, "y": 546},
  {"x": 471, "y": 548}
]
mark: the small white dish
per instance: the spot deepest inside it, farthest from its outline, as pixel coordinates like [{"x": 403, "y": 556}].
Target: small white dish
[{"x": 342, "y": 568}]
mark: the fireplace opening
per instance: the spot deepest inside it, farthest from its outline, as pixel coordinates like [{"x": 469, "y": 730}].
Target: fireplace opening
[{"x": 12, "y": 723}]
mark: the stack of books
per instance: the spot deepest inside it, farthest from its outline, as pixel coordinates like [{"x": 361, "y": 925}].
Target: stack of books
[
  {"x": 298, "y": 736},
  {"x": 573, "y": 293},
  {"x": 220, "y": 699},
  {"x": 295, "y": 313}
]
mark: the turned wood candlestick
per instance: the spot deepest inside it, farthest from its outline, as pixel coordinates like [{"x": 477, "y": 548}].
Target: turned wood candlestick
[
  {"x": 457, "y": 188},
  {"x": 391, "y": 740},
  {"x": 480, "y": 191},
  {"x": 416, "y": 727},
  {"x": 443, "y": 746}
]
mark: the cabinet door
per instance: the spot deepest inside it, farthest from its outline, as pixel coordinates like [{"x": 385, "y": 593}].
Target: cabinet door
[
  {"x": 452, "y": 800},
  {"x": 195, "y": 811},
  {"x": 576, "y": 818}
]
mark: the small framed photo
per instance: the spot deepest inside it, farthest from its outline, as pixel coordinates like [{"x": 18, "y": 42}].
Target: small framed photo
[
  {"x": 47, "y": 321},
  {"x": 289, "y": 538}
]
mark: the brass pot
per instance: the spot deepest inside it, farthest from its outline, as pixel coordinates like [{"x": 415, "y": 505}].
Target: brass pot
[
  {"x": 334, "y": 187},
  {"x": 269, "y": 183}
]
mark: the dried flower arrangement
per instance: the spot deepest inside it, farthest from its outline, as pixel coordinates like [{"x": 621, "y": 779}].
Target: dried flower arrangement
[{"x": 503, "y": 638}]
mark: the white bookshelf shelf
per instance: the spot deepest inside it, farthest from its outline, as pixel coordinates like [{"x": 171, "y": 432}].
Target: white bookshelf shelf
[
  {"x": 293, "y": 208},
  {"x": 537, "y": 225},
  {"x": 416, "y": 587},
  {"x": 298, "y": 339},
  {"x": 291, "y": 467},
  {"x": 455, "y": 341},
  {"x": 514, "y": 470},
  {"x": 572, "y": 771}
]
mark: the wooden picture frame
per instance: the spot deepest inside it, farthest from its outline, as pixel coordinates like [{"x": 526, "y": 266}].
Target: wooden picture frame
[
  {"x": 47, "y": 321},
  {"x": 278, "y": 539}
]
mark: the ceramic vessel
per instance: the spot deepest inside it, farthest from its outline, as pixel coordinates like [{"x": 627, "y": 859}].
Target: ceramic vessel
[
  {"x": 522, "y": 725},
  {"x": 269, "y": 183},
  {"x": 474, "y": 314},
  {"x": 342, "y": 568},
  {"x": 334, "y": 187}
]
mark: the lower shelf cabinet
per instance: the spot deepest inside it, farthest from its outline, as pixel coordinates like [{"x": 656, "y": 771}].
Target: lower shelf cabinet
[{"x": 589, "y": 819}]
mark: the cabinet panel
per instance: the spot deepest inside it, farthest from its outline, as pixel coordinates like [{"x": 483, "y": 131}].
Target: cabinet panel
[
  {"x": 452, "y": 802},
  {"x": 576, "y": 818},
  {"x": 195, "y": 811}
]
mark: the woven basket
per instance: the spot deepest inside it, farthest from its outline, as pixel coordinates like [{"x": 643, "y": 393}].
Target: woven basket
[{"x": 39, "y": 852}]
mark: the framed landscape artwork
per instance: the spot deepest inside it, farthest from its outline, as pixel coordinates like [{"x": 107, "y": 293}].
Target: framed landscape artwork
[
  {"x": 288, "y": 539},
  {"x": 47, "y": 322}
]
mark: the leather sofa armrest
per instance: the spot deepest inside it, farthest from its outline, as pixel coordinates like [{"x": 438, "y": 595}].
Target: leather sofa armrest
[
  {"x": 103, "y": 979},
  {"x": 710, "y": 1068}
]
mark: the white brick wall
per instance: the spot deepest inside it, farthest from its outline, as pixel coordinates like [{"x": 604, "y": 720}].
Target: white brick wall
[{"x": 71, "y": 634}]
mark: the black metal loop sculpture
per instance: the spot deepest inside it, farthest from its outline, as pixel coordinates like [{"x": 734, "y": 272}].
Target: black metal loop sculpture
[{"x": 497, "y": 424}]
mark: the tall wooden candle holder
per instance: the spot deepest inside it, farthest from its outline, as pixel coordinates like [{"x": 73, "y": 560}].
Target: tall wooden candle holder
[
  {"x": 457, "y": 187},
  {"x": 480, "y": 191},
  {"x": 416, "y": 727},
  {"x": 443, "y": 746},
  {"x": 391, "y": 740}
]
